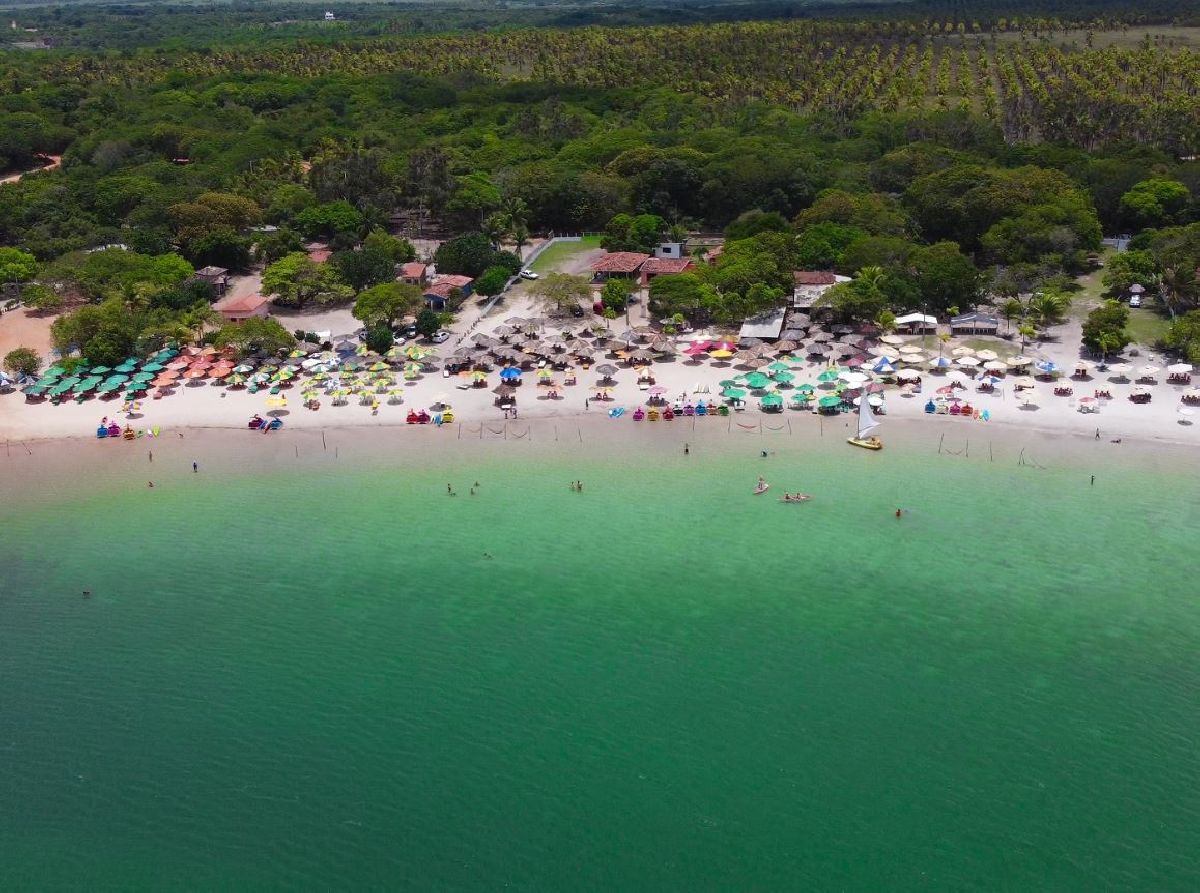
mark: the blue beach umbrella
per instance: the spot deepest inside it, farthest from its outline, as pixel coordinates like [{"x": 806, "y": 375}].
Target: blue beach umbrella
[
  {"x": 510, "y": 373},
  {"x": 1046, "y": 367}
]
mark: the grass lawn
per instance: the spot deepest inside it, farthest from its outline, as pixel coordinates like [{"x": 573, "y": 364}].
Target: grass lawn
[
  {"x": 1146, "y": 326},
  {"x": 553, "y": 257}
]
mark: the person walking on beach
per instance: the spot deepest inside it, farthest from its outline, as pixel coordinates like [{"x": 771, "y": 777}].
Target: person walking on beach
[
  {"x": 195, "y": 468},
  {"x": 686, "y": 449},
  {"x": 587, "y": 404},
  {"x": 151, "y": 455}
]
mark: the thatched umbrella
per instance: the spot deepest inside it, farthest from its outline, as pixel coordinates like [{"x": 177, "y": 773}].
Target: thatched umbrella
[
  {"x": 757, "y": 362},
  {"x": 642, "y": 355},
  {"x": 505, "y": 331},
  {"x": 608, "y": 370},
  {"x": 515, "y": 321},
  {"x": 663, "y": 346},
  {"x": 504, "y": 390},
  {"x": 784, "y": 345},
  {"x": 579, "y": 346},
  {"x": 822, "y": 337}
]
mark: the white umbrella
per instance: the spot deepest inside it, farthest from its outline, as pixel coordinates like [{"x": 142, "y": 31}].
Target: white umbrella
[
  {"x": 892, "y": 339},
  {"x": 910, "y": 348},
  {"x": 872, "y": 400},
  {"x": 1136, "y": 289},
  {"x": 1149, "y": 371},
  {"x": 962, "y": 352},
  {"x": 854, "y": 379},
  {"x": 1019, "y": 361},
  {"x": 967, "y": 361},
  {"x": 1180, "y": 368},
  {"x": 1119, "y": 368},
  {"x": 913, "y": 358},
  {"x": 908, "y": 375},
  {"x": 987, "y": 355},
  {"x": 995, "y": 365}
]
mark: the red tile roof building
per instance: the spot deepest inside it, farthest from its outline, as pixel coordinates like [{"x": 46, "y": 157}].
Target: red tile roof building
[
  {"x": 243, "y": 308},
  {"x": 660, "y": 266},
  {"x": 619, "y": 263}
]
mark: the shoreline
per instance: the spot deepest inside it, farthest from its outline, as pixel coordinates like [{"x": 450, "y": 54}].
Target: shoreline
[{"x": 57, "y": 470}]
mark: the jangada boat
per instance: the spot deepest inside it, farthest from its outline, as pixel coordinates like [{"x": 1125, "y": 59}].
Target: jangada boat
[{"x": 866, "y": 424}]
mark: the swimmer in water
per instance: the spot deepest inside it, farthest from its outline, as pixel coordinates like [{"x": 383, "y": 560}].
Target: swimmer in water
[
  {"x": 150, "y": 484},
  {"x": 898, "y": 513},
  {"x": 487, "y": 555}
]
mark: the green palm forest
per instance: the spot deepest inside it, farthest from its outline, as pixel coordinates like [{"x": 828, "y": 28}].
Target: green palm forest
[{"x": 960, "y": 154}]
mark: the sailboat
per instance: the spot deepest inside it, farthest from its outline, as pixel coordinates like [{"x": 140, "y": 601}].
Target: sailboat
[{"x": 866, "y": 424}]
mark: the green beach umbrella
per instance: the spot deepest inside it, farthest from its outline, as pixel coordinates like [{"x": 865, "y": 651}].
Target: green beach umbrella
[
  {"x": 144, "y": 375},
  {"x": 778, "y": 366},
  {"x": 36, "y": 389},
  {"x": 785, "y": 377},
  {"x": 87, "y": 384},
  {"x": 55, "y": 371},
  {"x": 733, "y": 393},
  {"x": 729, "y": 383},
  {"x": 106, "y": 386},
  {"x": 153, "y": 367},
  {"x": 137, "y": 386},
  {"x": 100, "y": 370},
  {"x": 772, "y": 400},
  {"x": 806, "y": 388},
  {"x": 757, "y": 380},
  {"x": 46, "y": 381},
  {"x": 828, "y": 375},
  {"x": 830, "y": 401}
]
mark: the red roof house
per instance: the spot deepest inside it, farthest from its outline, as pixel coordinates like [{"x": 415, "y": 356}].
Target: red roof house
[
  {"x": 243, "y": 308},
  {"x": 619, "y": 263},
  {"x": 414, "y": 273},
  {"x": 660, "y": 266}
]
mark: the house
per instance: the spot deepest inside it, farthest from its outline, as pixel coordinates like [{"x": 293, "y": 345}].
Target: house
[
  {"x": 414, "y": 273},
  {"x": 619, "y": 263},
  {"x": 319, "y": 254},
  {"x": 976, "y": 323},
  {"x": 235, "y": 309},
  {"x": 329, "y": 17},
  {"x": 917, "y": 322},
  {"x": 766, "y": 326},
  {"x": 671, "y": 250},
  {"x": 809, "y": 285},
  {"x": 438, "y": 293},
  {"x": 217, "y": 277},
  {"x": 664, "y": 266},
  {"x": 712, "y": 254}
]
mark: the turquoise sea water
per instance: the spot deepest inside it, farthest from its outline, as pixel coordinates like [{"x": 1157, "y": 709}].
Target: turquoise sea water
[{"x": 316, "y": 679}]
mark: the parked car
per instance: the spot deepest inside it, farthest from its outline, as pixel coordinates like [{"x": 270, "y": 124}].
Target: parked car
[
  {"x": 1135, "y": 300},
  {"x": 439, "y": 336},
  {"x": 528, "y": 274}
]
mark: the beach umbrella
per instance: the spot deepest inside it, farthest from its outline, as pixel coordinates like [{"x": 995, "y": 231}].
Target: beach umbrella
[
  {"x": 757, "y": 381},
  {"x": 1023, "y": 382},
  {"x": 962, "y": 352},
  {"x": 913, "y": 358},
  {"x": 910, "y": 348},
  {"x": 136, "y": 387},
  {"x": 721, "y": 354},
  {"x": 784, "y": 377},
  {"x": 854, "y": 379},
  {"x": 510, "y": 373},
  {"x": 1148, "y": 371},
  {"x": 87, "y": 384},
  {"x": 1019, "y": 361},
  {"x": 883, "y": 367},
  {"x": 196, "y": 373},
  {"x": 891, "y": 339},
  {"x": 872, "y": 399},
  {"x": 806, "y": 388},
  {"x": 778, "y": 366},
  {"x": 829, "y": 401},
  {"x": 144, "y": 375},
  {"x": 724, "y": 345},
  {"x": 100, "y": 370},
  {"x": 606, "y": 369},
  {"x": 663, "y": 346},
  {"x": 995, "y": 365},
  {"x": 1119, "y": 368},
  {"x": 1046, "y": 367},
  {"x": 987, "y": 355},
  {"x": 828, "y": 375},
  {"x": 908, "y": 375},
  {"x": 1180, "y": 368},
  {"x": 545, "y": 373},
  {"x": 967, "y": 361},
  {"x": 235, "y": 379},
  {"x": 757, "y": 362},
  {"x": 822, "y": 336},
  {"x": 220, "y": 372},
  {"x": 991, "y": 380},
  {"x": 178, "y": 365},
  {"x": 939, "y": 363},
  {"x": 784, "y": 345},
  {"x": 734, "y": 393},
  {"x": 771, "y": 400}
]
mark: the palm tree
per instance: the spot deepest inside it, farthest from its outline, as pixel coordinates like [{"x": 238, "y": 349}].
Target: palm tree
[
  {"x": 1048, "y": 307},
  {"x": 1012, "y": 309},
  {"x": 1026, "y": 331},
  {"x": 198, "y": 319}
]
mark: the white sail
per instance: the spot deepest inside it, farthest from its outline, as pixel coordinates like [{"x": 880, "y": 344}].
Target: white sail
[{"x": 867, "y": 422}]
